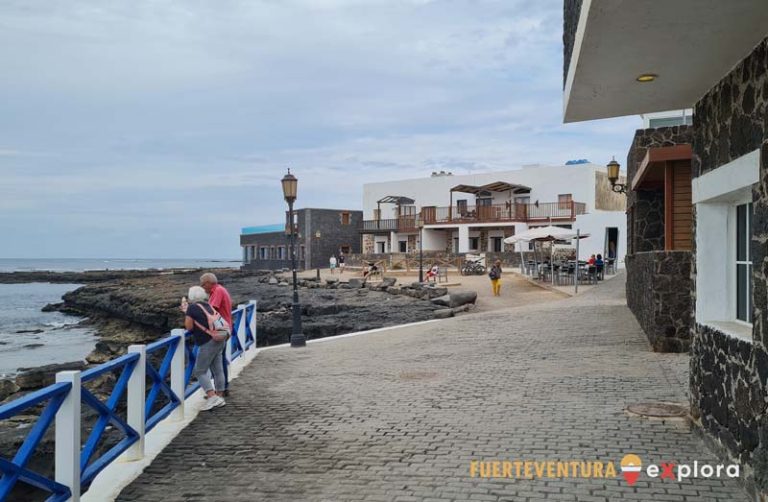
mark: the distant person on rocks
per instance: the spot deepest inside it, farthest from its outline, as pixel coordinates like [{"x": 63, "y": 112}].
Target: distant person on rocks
[
  {"x": 209, "y": 333},
  {"x": 332, "y": 263},
  {"x": 342, "y": 260},
  {"x": 495, "y": 275},
  {"x": 220, "y": 300}
]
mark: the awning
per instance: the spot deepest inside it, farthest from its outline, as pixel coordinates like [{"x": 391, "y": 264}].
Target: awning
[
  {"x": 496, "y": 186},
  {"x": 650, "y": 174}
]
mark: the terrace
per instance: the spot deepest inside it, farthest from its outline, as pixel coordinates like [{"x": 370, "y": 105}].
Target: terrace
[{"x": 509, "y": 212}]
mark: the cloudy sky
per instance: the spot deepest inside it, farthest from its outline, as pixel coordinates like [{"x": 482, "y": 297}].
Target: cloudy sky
[{"x": 157, "y": 129}]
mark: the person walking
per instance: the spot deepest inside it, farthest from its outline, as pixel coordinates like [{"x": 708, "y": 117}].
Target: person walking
[
  {"x": 209, "y": 333},
  {"x": 342, "y": 260},
  {"x": 219, "y": 299},
  {"x": 495, "y": 275},
  {"x": 332, "y": 263}
]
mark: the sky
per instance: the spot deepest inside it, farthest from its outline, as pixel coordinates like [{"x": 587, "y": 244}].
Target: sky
[{"x": 157, "y": 129}]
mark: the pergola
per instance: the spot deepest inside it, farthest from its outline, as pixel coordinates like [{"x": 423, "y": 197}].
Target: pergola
[
  {"x": 496, "y": 186},
  {"x": 397, "y": 200}
]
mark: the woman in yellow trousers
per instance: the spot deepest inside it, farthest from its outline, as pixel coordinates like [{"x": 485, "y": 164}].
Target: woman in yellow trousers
[{"x": 495, "y": 275}]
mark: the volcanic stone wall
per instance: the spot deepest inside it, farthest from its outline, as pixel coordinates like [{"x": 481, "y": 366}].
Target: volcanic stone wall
[
  {"x": 659, "y": 294},
  {"x": 658, "y": 281},
  {"x": 645, "y": 209},
  {"x": 571, "y": 12},
  {"x": 728, "y": 375}
]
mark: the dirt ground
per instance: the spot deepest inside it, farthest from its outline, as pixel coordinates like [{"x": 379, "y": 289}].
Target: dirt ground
[{"x": 515, "y": 290}]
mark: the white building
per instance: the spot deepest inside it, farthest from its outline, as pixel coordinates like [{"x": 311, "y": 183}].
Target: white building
[{"x": 475, "y": 212}]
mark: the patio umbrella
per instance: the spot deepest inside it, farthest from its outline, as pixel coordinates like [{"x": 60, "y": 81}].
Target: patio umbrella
[{"x": 547, "y": 234}]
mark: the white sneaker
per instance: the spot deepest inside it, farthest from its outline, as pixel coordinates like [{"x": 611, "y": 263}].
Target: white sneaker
[{"x": 213, "y": 402}]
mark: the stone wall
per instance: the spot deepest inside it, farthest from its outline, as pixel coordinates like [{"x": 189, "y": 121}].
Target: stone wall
[
  {"x": 571, "y": 12},
  {"x": 728, "y": 375},
  {"x": 659, "y": 294},
  {"x": 645, "y": 209},
  {"x": 732, "y": 118}
]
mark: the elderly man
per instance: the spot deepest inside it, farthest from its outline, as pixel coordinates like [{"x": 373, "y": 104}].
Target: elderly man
[{"x": 218, "y": 296}]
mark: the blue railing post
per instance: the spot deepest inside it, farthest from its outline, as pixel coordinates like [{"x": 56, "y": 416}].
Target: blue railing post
[
  {"x": 67, "y": 456},
  {"x": 178, "y": 371},
  {"x": 253, "y": 306},
  {"x": 137, "y": 394}
]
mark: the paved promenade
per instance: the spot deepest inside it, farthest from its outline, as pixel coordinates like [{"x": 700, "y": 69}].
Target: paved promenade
[{"x": 399, "y": 415}]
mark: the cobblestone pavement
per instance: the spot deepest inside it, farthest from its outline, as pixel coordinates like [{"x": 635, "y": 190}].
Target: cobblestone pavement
[{"x": 398, "y": 415}]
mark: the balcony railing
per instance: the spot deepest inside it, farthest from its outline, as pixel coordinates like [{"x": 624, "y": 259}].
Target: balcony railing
[
  {"x": 512, "y": 212},
  {"x": 402, "y": 224}
]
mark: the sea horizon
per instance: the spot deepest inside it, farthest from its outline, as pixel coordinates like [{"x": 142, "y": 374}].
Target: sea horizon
[{"x": 91, "y": 264}]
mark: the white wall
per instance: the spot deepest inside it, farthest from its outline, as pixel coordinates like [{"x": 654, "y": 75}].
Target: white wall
[
  {"x": 546, "y": 183},
  {"x": 595, "y": 224}
]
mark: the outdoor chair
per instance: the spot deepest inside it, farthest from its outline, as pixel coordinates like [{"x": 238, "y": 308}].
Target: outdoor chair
[
  {"x": 599, "y": 272},
  {"x": 442, "y": 274},
  {"x": 610, "y": 266}
]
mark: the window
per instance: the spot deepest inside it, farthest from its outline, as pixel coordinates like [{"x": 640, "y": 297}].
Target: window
[
  {"x": 345, "y": 218},
  {"x": 403, "y": 246},
  {"x": 474, "y": 243},
  {"x": 497, "y": 244},
  {"x": 263, "y": 253},
  {"x": 743, "y": 263},
  {"x": 461, "y": 207},
  {"x": 381, "y": 247},
  {"x": 345, "y": 249},
  {"x": 564, "y": 200}
]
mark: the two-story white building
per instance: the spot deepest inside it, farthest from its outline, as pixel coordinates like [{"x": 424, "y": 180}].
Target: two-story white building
[{"x": 474, "y": 213}]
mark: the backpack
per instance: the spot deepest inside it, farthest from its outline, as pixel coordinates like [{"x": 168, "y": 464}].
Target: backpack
[
  {"x": 494, "y": 273},
  {"x": 217, "y": 327}
]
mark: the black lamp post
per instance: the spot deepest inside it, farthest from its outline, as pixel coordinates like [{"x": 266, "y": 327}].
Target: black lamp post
[
  {"x": 420, "y": 224},
  {"x": 317, "y": 240},
  {"x": 290, "y": 188},
  {"x": 613, "y": 177}
]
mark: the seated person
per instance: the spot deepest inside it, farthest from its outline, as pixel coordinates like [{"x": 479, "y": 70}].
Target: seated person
[
  {"x": 599, "y": 261},
  {"x": 370, "y": 269},
  {"x": 591, "y": 260},
  {"x": 433, "y": 272}
]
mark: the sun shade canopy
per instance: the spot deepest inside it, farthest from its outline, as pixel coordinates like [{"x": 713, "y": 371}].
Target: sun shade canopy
[
  {"x": 496, "y": 186},
  {"x": 395, "y": 199}
]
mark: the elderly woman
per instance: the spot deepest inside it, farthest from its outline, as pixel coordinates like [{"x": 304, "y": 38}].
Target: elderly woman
[{"x": 209, "y": 357}]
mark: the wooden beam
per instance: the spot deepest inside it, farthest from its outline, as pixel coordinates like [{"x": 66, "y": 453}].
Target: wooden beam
[{"x": 657, "y": 157}]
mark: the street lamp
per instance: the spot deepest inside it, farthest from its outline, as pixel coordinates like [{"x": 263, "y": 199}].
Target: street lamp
[
  {"x": 420, "y": 224},
  {"x": 613, "y": 177},
  {"x": 317, "y": 240},
  {"x": 290, "y": 187}
]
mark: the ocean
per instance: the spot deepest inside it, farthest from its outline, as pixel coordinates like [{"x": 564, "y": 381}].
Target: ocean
[
  {"x": 83, "y": 264},
  {"x": 30, "y": 337}
]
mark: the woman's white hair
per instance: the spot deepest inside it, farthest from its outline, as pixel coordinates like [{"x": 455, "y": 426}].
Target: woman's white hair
[{"x": 197, "y": 294}]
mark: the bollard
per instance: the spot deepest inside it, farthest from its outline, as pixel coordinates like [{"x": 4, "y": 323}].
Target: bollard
[
  {"x": 137, "y": 394},
  {"x": 177, "y": 374},
  {"x": 67, "y": 454}
]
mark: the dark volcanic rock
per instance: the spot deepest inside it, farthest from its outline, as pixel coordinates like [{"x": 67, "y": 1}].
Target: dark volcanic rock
[{"x": 34, "y": 378}]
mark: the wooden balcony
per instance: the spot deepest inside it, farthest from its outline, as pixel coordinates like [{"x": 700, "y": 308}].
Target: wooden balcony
[
  {"x": 498, "y": 213},
  {"x": 511, "y": 212},
  {"x": 402, "y": 224}
]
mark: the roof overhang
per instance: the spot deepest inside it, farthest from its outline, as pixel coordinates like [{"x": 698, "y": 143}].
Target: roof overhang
[
  {"x": 496, "y": 186},
  {"x": 690, "y": 44},
  {"x": 650, "y": 174}
]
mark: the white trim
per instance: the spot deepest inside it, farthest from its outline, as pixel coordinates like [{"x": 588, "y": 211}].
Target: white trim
[
  {"x": 716, "y": 185},
  {"x": 734, "y": 329}
]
